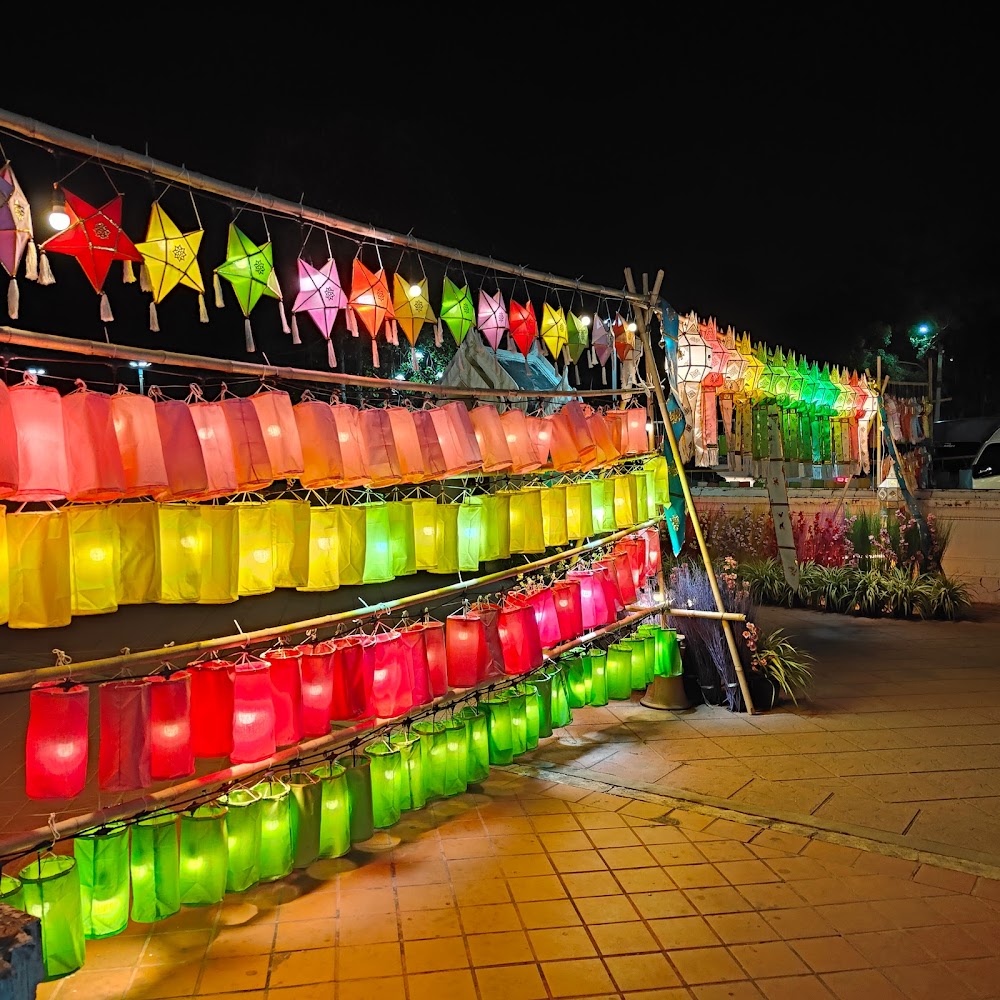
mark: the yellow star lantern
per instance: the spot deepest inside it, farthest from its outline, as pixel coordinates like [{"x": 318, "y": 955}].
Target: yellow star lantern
[
  {"x": 554, "y": 333},
  {"x": 413, "y": 308},
  {"x": 169, "y": 259}
]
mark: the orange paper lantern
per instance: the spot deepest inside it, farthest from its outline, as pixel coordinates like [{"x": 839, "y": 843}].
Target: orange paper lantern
[
  {"x": 216, "y": 446},
  {"x": 139, "y": 444},
  {"x": 491, "y": 438},
  {"x": 353, "y": 472},
  {"x": 95, "y": 463},
  {"x": 253, "y": 464},
  {"x": 281, "y": 433},
  {"x": 523, "y": 453},
  {"x": 322, "y": 464},
  {"x": 378, "y": 447}
]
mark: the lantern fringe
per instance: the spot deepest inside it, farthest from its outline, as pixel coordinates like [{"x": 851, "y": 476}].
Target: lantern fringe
[
  {"x": 31, "y": 261},
  {"x": 13, "y": 298},
  {"x": 352, "y": 322},
  {"x": 438, "y": 334},
  {"x": 604, "y": 375},
  {"x": 296, "y": 339},
  {"x": 576, "y": 373},
  {"x": 565, "y": 355},
  {"x": 413, "y": 357},
  {"x": 154, "y": 320},
  {"x": 248, "y": 333},
  {"x": 331, "y": 354},
  {"x": 392, "y": 335},
  {"x": 202, "y": 309},
  {"x": 128, "y": 273},
  {"x": 217, "y": 285},
  {"x": 145, "y": 282},
  {"x": 590, "y": 358},
  {"x": 285, "y": 328},
  {"x": 107, "y": 316},
  {"x": 375, "y": 361},
  {"x": 45, "y": 275}
]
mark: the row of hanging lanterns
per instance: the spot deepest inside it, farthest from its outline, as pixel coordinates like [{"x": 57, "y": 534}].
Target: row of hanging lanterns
[{"x": 86, "y": 559}]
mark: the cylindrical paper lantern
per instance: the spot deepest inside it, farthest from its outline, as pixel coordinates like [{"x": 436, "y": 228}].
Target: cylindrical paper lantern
[
  {"x": 8, "y": 445},
  {"x": 138, "y": 526},
  {"x": 579, "y": 682},
  {"x": 55, "y": 753},
  {"x": 598, "y": 676},
  {"x": 335, "y": 818},
  {"x": 619, "y": 671},
  {"x": 204, "y": 855},
  {"x": 654, "y": 556},
  {"x": 457, "y": 756},
  {"x": 489, "y": 535},
  {"x": 256, "y": 548},
  {"x": 352, "y": 679},
  {"x": 324, "y": 549},
  {"x": 437, "y": 657},
  {"x": 277, "y": 851},
  {"x": 581, "y": 435},
  {"x": 139, "y": 444},
  {"x": 561, "y": 714},
  {"x": 621, "y": 564},
  {"x": 125, "y": 760},
  {"x": 42, "y": 464},
  {"x": 171, "y": 748},
  {"x": 470, "y": 534},
  {"x": 522, "y": 649},
  {"x": 671, "y": 655},
  {"x": 95, "y": 553},
  {"x": 387, "y": 783},
  {"x": 579, "y": 511},
  {"x": 39, "y": 573},
  {"x": 562, "y": 447},
  {"x": 10, "y": 891},
  {"x": 352, "y": 544},
  {"x": 392, "y": 693},
  {"x": 492, "y": 439},
  {"x": 445, "y": 539},
  {"x": 411, "y": 794},
  {"x": 490, "y": 615},
  {"x": 182, "y": 454},
  {"x": 523, "y": 453},
  {"x": 211, "y": 708},
  {"x": 543, "y": 685},
  {"x": 216, "y": 446},
  {"x": 93, "y": 457},
  {"x": 378, "y": 447},
  {"x": 291, "y": 541},
  {"x": 554, "y": 519},
  {"x": 569, "y": 610},
  {"x": 407, "y": 444},
  {"x": 498, "y": 729},
  {"x": 412, "y": 637},
  {"x": 4, "y": 587},
  {"x": 286, "y": 694},
  {"x": 540, "y": 433},
  {"x": 316, "y": 666},
  {"x": 433, "y": 756},
  {"x": 477, "y": 746},
  {"x": 606, "y": 450},
  {"x": 219, "y": 541},
  {"x": 378, "y": 543},
  {"x": 467, "y": 653},
  {"x": 641, "y": 496},
  {"x": 50, "y": 890},
  {"x": 549, "y": 631},
  {"x": 253, "y": 464},
  {"x": 243, "y": 830},
  {"x": 281, "y": 433},
  {"x": 431, "y": 453},
  {"x": 180, "y": 546},
  {"x": 155, "y": 867},
  {"x": 253, "y": 712},
  {"x": 424, "y": 512},
  {"x": 636, "y": 419},
  {"x": 306, "y": 792},
  {"x": 322, "y": 464},
  {"x": 607, "y": 573},
  {"x": 359, "y": 790},
  {"x": 532, "y": 713},
  {"x": 625, "y": 501},
  {"x": 518, "y": 721},
  {"x": 353, "y": 472},
  {"x": 527, "y": 533},
  {"x": 456, "y": 412},
  {"x": 602, "y": 499},
  {"x": 102, "y": 859},
  {"x": 401, "y": 541},
  {"x": 594, "y": 605}
]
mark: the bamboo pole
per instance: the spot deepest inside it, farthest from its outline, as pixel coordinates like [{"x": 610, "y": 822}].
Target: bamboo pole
[{"x": 652, "y": 376}]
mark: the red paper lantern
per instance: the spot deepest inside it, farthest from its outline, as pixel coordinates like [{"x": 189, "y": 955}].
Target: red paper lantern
[
  {"x": 352, "y": 681},
  {"x": 522, "y": 649},
  {"x": 624, "y": 566},
  {"x": 138, "y": 435},
  {"x": 491, "y": 438},
  {"x": 253, "y": 712},
  {"x": 353, "y": 472},
  {"x": 635, "y": 433},
  {"x": 413, "y": 638},
  {"x": 43, "y": 469},
  {"x": 523, "y": 453},
  {"x": 253, "y": 464},
  {"x": 170, "y": 725},
  {"x": 281, "y": 433},
  {"x": 125, "y": 759},
  {"x": 467, "y": 653},
  {"x": 490, "y": 615},
  {"x": 55, "y": 751},
  {"x": 8, "y": 445},
  {"x": 322, "y": 464},
  {"x": 211, "y": 708},
  {"x": 95, "y": 463},
  {"x": 316, "y": 665},
  {"x": 378, "y": 447},
  {"x": 437, "y": 656},
  {"x": 608, "y": 572},
  {"x": 569, "y": 609},
  {"x": 286, "y": 691},
  {"x": 634, "y": 548},
  {"x": 596, "y": 610},
  {"x": 654, "y": 554},
  {"x": 392, "y": 692},
  {"x": 544, "y": 604},
  {"x": 216, "y": 446},
  {"x": 182, "y": 454}
]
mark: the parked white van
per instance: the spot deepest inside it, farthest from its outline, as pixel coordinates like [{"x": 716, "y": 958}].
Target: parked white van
[{"x": 986, "y": 467}]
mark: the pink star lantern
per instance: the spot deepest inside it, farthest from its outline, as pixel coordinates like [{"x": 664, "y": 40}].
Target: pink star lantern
[
  {"x": 321, "y": 296},
  {"x": 491, "y": 317}
]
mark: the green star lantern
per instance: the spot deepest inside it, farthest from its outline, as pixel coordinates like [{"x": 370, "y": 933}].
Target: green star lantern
[{"x": 457, "y": 309}]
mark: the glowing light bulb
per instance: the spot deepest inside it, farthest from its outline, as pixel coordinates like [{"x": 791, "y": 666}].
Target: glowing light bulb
[
  {"x": 585, "y": 320},
  {"x": 631, "y": 328},
  {"x": 273, "y": 430},
  {"x": 98, "y": 555},
  {"x": 246, "y": 718},
  {"x": 415, "y": 290},
  {"x": 262, "y": 556},
  {"x": 58, "y": 216}
]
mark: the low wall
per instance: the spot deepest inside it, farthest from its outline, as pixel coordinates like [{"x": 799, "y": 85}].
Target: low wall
[{"x": 973, "y": 552}]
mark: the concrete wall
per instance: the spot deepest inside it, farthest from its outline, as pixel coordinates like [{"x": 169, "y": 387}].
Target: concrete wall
[{"x": 973, "y": 552}]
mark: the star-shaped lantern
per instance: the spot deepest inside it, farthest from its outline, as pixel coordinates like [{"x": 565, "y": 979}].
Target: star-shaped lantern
[
  {"x": 555, "y": 335},
  {"x": 624, "y": 337},
  {"x": 457, "y": 309},
  {"x": 15, "y": 234},
  {"x": 170, "y": 258},
  {"x": 577, "y": 336},
  {"x": 321, "y": 296},
  {"x": 523, "y": 325},
  {"x": 95, "y": 238},
  {"x": 491, "y": 317},
  {"x": 600, "y": 344},
  {"x": 412, "y": 307},
  {"x": 250, "y": 270},
  {"x": 369, "y": 302}
]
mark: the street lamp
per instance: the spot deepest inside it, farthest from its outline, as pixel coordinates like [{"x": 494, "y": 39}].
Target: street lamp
[{"x": 140, "y": 367}]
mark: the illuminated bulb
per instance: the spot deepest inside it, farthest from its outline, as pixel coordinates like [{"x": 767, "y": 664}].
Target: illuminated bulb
[
  {"x": 98, "y": 555},
  {"x": 343, "y": 437},
  {"x": 206, "y": 433},
  {"x": 272, "y": 825},
  {"x": 389, "y": 775},
  {"x": 35, "y": 371},
  {"x": 585, "y": 320},
  {"x": 189, "y": 542},
  {"x": 246, "y": 718},
  {"x": 169, "y": 732},
  {"x": 649, "y": 426},
  {"x": 415, "y": 290},
  {"x": 273, "y": 430},
  {"x": 262, "y": 556},
  {"x": 631, "y": 328},
  {"x": 194, "y": 864},
  {"x": 65, "y": 750},
  {"x": 58, "y": 216},
  {"x": 313, "y": 690}
]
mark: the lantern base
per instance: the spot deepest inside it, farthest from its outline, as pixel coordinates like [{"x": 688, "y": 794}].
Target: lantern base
[{"x": 666, "y": 694}]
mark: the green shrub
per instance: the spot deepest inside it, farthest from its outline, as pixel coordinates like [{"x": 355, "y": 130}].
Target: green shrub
[
  {"x": 943, "y": 598},
  {"x": 777, "y": 658}
]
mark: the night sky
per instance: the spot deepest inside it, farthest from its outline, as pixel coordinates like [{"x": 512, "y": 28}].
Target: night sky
[{"x": 809, "y": 219}]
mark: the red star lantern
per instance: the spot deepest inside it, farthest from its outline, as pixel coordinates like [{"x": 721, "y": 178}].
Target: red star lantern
[
  {"x": 96, "y": 239},
  {"x": 523, "y": 325}
]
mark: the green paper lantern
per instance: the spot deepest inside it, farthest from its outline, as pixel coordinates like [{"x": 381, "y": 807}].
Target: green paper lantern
[
  {"x": 543, "y": 685},
  {"x": 387, "y": 783},
  {"x": 155, "y": 867},
  {"x": 498, "y": 729},
  {"x": 598, "y": 661},
  {"x": 456, "y": 779},
  {"x": 411, "y": 794},
  {"x": 501, "y": 524},
  {"x": 457, "y": 309},
  {"x": 672, "y": 654},
  {"x": 277, "y": 850},
  {"x": 637, "y": 646},
  {"x": 102, "y": 859},
  {"x": 352, "y": 544},
  {"x": 401, "y": 541},
  {"x": 602, "y": 505},
  {"x": 50, "y": 890},
  {"x": 243, "y": 830},
  {"x": 306, "y": 814},
  {"x": 433, "y": 756},
  {"x": 518, "y": 721},
  {"x": 641, "y": 511},
  {"x": 250, "y": 270},
  {"x": 579, "y": 681},
  {"x": 561, "y": 714},
  {"x": 359, "y": 793},
  {"x": 204, "y": 855},
  {"x": 470, "y": 537},
  {"x": 378, "y": 544},
  {"x": 619, "y": 671},
  {"x": 494, "y": 538},
  {"x": 10, "y": 892},
  {"x": 531, "y": 713},
  {"x": 647, "y": 632},
  {"x": 335, "y": 814},
  {"x": 478, "y": 744}
]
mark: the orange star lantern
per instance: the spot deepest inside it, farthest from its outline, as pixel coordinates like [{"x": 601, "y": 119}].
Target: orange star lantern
[{"x": 370, "y": 303}]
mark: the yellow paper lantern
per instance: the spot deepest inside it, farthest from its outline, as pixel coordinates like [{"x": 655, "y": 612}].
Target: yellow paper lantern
[
  {"x": 96, "y": 559},
  {"x": 641, "y": 509},
  {"x": 256, "y": 550},
  {"x": 180, "y": 553},
  {"x": 625, "y": 501},
  {"x": 378, "y": 544},
  {"x": 579, "y": 511},
  {"x": 602, "y": 498},
  {"x": 446, "y": 538},
  {"x": 324, "y": 550},
  {"x": 658, "y": 467},
  {"x": 351, "y": 523},
  {"x": 526, "y": 531},
  {"x": 291, "y": 542},
  {"x": 554, "y": 514},
  {"x": 401, "y": 542},
  {"x": 138, "y": 525},
  {"x": 470, "y": 537},
  {"x": 38, "y": 560},
  {"x": 424, "y": 513},
  {"x": 489, "y": 536},
  {"x": 220, "y": 554},
  {"x": 4, "y": 588}
]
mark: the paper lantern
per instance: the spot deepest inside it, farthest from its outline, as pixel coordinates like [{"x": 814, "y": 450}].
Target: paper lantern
[
  {"x": 527, "y": 532},
  {"x": 277, "y": 849},
  {"x": 276, "y": 416},
  {"x": 125, "y": 758},
  {"x": 649, "y": 631},
  {"x": 492, "y": 439},
  {"x": 561, "y": 714},
  {"x": 95, "y": 555},
  {"x": 636, "y": 431},
  {"x": 445, "y": 539},
  {"x": 607, "y": 572},
  {"x": 494, "y": 535},
  {"x": 286, "y": 694},
  {"x": 544, "y": 603},
  {"x": 324, "y": 549},
  {"x": 359, "y": 792},
  {"x": 490, "y": 615},
  {"x": 402, "y": 547},
  {"x": 204, "y": 855},
  {"x": 424, "y": 513},
  {"x": 491, "y": 317},
  {"x": 4, "y": 586},
  {"x": 39, "y": 574},
  {"x": 180, "y": 538},
  {"x": 182, "y": 454},
  {"x": 352, "y": 544},
  {"x": 569, "y": 609},
  {"x": 602, "y": 499},
  {"x": 290, "y": 548},
  {"x": 456, "y": 756},
  {"x": 378, "y": 543},
  {"x": 171, "y": 748},
  {"x": 253, "y": 712},
  {"x": 316, "y": 667},
  {"x": 335, "y": 814},
  {"x": 477, "y": 744},
  {"x": 523, "y": 325},
  {"x": 256, "y": 548},
  {"x": 155, "y": 868},
  {"x": 411, "y": 638},
  {"x": 378, "y": 447},
  {"x": 523, "y": 453},
  {"x": 641, "y": 512},
  {"x": 634, "y": 551},
  {"x": 457, "y": 310},
  {"x": 55, "y": 757},
  {"x": 93, "y": 458},
  {"x": 387, "y": 783},
  {"x": 431, "y": 452},
  {"x": 50, "y": 891},
  {"x": 8, "y": 445},
  {"x": 219, "y": 551},
  {"x": 598, "y": 661},
  {"x": 437, "y": 655},
  {"x": 352, "y": 679},
  {"x": 42, "y": 464},
  {"x": 10, "y": 891},
  {"x": 216, "y": 445},
  {"x": 138, "y": 434},
  {"x": 621, "y": 564},
  {"x": 532, "y": 713},
  {"x": 554, "y": 516},
  {"x": 392, "y": 693},
  {"x": 654, "y": 554},
  {"x": 596, "y": 610},
  {"x": 694, "y": 356},
  {"x": 348, "y": 437},
  {"x": 625, "y": 501},
  {"x": 619, "y": 671},
  {"x": 542, "y": 683},
  {"x": 138, "y": 525},
  {"x": 637, "y": 646},
  {"x": 466, "y": 650},
  {"x": 470, "y": 537},
  {"x": 463, "y": 437},
  {"x": 600, "y": 432},
  {"x": 579, "y": 511},
  {"x": 433, "y": 756},
  {"x": 212, "y": 683},
  {"x": 243, "y": 834},
  {"x": 102, "y": 860},
  {"x": 522, "y": 648},
  {"x": 411, "y": 793},
  {"x": 576, "y": 419},
  {"x": 518, "y": 721},
  {"x": 250, "y": 457},
  {"x": 498, "y": 729},
  {"x": 405, "y": 444},
  {"x": 562, "y": 447},
  {"x": 322, "y": 461}
]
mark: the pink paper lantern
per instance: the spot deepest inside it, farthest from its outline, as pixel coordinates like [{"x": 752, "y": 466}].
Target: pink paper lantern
[
  {"x": 212, "y": 708},
  {"x": 353, "y": 471},
  {"x": 522, "y": 648},
  {"x": 138, "y": 434},
  {"x": 378, "y": 447},
  {"x": 654, "y": 554},
  {"x": 172, "y": 752},
  {"x": 544, "y": 603},
  {"x": 316, "y": 665},
  {"x": 392, "y": 689},
  {"x": 596, "y": 609},
  {"x": 253, "y": 712},
  {"x": 281, "y": 433},
  {"x": 569, "y": 609},
  {"x": 250, "y": 457},
  {"x": 431, "y": 453},
  {"x": 634, "y": 433},
  {"x": 43, "y": 468},
  {"x": 352, "y": 680},
  {"x": 413, "y": 638},
  {"x": 55, "y": 751},
  {"x": 286, "y": 691},
  {"x": 8, "y": 445},
  {"x": 182, "y": 453},
  {"x": 94, "y": 460},
  {"x": 467, "y": 653},
  {"x": 437, "y": 656},
  {"x": 216, "y": 446},
  {"x": 125, "y": 758}
]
